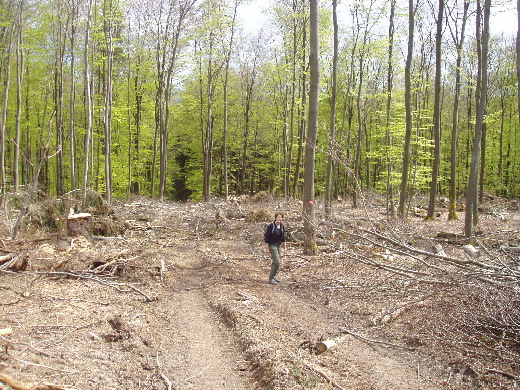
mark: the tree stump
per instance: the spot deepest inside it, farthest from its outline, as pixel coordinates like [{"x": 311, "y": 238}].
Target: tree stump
[{"x": 79, "y": 225}]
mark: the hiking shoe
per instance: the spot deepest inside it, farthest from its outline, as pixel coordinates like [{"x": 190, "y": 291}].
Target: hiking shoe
[{"x": 273, "y": 281}]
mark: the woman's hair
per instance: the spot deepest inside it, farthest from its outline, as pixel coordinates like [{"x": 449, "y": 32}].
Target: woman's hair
[{"x": 277, "y": 214}]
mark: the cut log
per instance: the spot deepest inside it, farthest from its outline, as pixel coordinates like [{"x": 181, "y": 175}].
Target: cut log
[{"x": 324, "y": 346}]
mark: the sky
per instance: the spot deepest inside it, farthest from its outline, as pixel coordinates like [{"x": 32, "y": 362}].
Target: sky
[{"x": 503, "y": 15}]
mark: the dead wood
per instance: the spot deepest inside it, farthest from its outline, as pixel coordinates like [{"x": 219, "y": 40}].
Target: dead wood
[
  {"x": 362, "y": 338},
  {"x": 5, "y": 331},
  {"x": 18, "y": 385},
  {"x": 398, "y": 251},
  {"x": 325, "y": 345},
  {"x": 103, "y": 238},
  {"x": 503, "y": 373},
  {"x": 320, "y": 372},
  {"x": 452, "y": 260},
  {"x": 389, "y": 317},
  {"x": 511, "y": 249},
  {"x": 89, "y": 276},
  {"x": 6, "y": 258}
]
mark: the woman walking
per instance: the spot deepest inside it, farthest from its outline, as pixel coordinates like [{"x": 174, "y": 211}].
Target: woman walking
[{"x": 274, "y": 238}]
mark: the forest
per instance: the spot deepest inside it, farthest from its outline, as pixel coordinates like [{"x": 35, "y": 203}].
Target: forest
[{"x": 179, "y": 99}]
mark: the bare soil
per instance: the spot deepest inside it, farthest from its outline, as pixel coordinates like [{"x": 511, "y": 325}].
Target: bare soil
[{"x": 180, "y": 300}]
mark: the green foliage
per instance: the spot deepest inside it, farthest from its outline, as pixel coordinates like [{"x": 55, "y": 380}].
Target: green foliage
[{"x": 255, "y": 138}]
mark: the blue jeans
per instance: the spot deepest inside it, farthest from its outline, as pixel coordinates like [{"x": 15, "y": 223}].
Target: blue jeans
[{"x": 276, "y": 255}]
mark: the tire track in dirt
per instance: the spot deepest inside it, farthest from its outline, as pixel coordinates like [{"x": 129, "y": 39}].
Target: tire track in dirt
[
  {"x": 202, "y": 354},
  {"x": 290, "y": 324}
]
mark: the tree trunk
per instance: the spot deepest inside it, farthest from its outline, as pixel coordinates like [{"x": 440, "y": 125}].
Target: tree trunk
[
  {"x": 88, "y": 102},
  {"x": 332, "y": 136},
  {"x": 518, "y": 54},
  {"x": 436, "y": 114},
  {"x": 408, "y": 105},
  {"x": 108, "y": 26},
  {"x": 310, "y": 146},
  {"x": 390, "y": 207},
  {"x": 3, "y": 117},
  {"x": 226, "y": 78},
  {"x": 471, "y": 216},
  {"x": 459, "y": 44},
  {"x": 19, "y": 79},
  {"x": 72, "y": 101},
  {"x": 302, "y": 123}
]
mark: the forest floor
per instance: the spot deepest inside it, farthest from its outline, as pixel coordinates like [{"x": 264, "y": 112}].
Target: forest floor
[{"x": 179, "y": 299}]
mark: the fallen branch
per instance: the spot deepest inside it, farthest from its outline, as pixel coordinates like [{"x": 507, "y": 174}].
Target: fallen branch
[
  {"x": 325, "y": 376},
  {"x": 503, "y": 373},
  {"x": 389, "y": 317},
  {"x": 164, "y": 377},
  {"x": 362, "y": 338},
  {"x": 18, "y": 385},
  {"x": 452, "y": 260},
  {"x": 148, "y": 299},
  {"x": 98, "y": 280}
]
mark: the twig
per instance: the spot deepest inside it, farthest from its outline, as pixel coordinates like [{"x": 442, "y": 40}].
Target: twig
[
  {"x": 506, "y": 374},
  {"x": 98, "y": 280},
  {"x": 43, "y": 366},
  {"x": 362, "y": 338},
  {"x": 325, "y": 376},
  {"x": 164, "y": 377},
  {"x": 148, "y": 299}
]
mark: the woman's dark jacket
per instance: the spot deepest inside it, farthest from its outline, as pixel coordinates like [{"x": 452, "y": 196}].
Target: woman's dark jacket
[{"x": 273, "y": 235}]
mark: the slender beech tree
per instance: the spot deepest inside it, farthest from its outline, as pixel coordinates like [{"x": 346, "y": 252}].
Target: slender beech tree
[
  {"x": 300, "y": 110},
  {"x": 74, "y": 9},
  {"x": 332, "y": 135},
  {"x": 408, "y": 106},
  {"x": 518, "y": 54},
  {"x": 208, "y": 118},
  {"x": 7, "y": 36},
  {"x": 436, "y": 113},
  {"x": 88, "y": 101},
  {"x": 471, "y": 216},
  {"x": 109, "y": 25},
  {"x": 362, "y": 56},
  {"x": 169, "y": 42},
  {"x": 226, "y": 103},
  {"x": 389, "y": 84},
  {"x": 459, "y": 45},
  {"x": 60, "y": 39},
  {"x": 310, "y": 144},
  {"x": 19, "y": 86},
  {"x": 249, "y": 75}
]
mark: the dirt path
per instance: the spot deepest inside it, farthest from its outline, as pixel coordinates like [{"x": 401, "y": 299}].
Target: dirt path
[
  {"x": 281, "y": 317},
  {"x": 214, "y": 321},
  {"x": 203, "y": 355}
]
